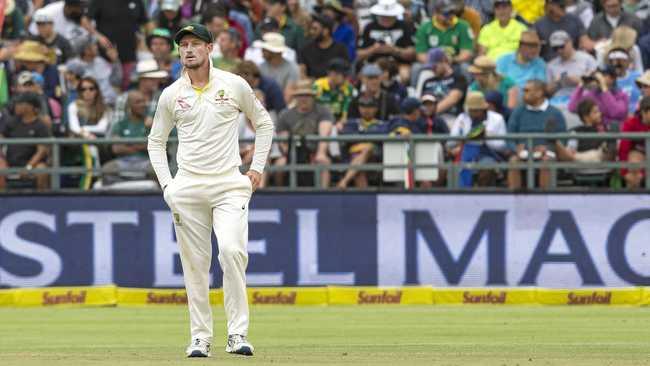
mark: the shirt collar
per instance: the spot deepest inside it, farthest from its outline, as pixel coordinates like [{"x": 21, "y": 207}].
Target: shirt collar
[
  {"x": 435, "y": 23},
  {"x": 542, "y": 108}
]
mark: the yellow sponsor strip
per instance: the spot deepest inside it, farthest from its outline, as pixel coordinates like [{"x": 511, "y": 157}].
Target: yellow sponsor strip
[
  {"x": 380, "y": 295},
  {"x": 288, "y": 296},
  {"x": 645, "y": 296},
  {"x": 144, "y": 296},
  {"x": 7, "y": 297},
  {"x": 492, "y": 296},
  {"x": 65, "y": 296},
  {"x": 595, "y": 296}
]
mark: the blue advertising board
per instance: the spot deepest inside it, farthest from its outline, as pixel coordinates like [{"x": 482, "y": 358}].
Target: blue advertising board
[{"x": 445, "y": 240}]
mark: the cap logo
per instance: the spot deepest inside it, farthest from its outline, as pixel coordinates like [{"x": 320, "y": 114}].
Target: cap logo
[{"x": 189, "y": 28}]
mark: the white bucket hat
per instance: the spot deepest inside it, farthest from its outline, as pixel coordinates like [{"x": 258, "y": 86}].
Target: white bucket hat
[
  {"x": 387, "y": 8},
  {"x": 273, "y": 42},
  {"x": 149, "y": 69}
]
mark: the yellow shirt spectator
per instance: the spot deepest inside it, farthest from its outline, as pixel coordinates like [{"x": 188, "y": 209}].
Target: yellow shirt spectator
[{"x": 499, "y": 40}]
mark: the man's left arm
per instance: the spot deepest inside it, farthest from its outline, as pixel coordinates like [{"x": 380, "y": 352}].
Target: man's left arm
[{"x": 257, "y": 114}]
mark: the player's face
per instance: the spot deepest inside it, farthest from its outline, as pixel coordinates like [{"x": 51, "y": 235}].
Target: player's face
[{"x": 194, "y": 52}]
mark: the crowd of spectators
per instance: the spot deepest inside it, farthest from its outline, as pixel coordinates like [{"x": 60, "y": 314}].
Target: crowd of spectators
[{"x": 473, "y": 68}]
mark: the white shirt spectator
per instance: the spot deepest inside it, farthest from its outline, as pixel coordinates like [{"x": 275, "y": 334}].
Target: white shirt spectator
[
  {"x": 68, "y": 29},
  {"x": 494, "y": 126}
]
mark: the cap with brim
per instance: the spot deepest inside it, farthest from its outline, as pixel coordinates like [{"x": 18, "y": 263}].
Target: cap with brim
[
  {"x": 387, "y": 8},
  {"x": 409, "y": 105},
  {"x": 269, "y": 24},
  {"x": 303, "y": 88},
  {"x": 429, "y": 98},
  {"x": 75, "y": 67},
  {"x": 338, "y": 65},
  {"x": 170, "y": 5},
  {"x": 161, "y": 33},
  {"x": 334, "y": 5},
  {"x": 436, "y": 55},
  {"x": 475, "y": 100},
  {"x": 559, "y": 38},
  {"x": 40, "y": 17},
  {"x": 273, "y": 42},
  {"x": 197, "y": 30}
]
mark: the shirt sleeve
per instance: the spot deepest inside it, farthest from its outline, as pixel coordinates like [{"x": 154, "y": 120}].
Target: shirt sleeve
[
  {"x": 421, "y": 42},
  {"x": 466, "y": 37},
  {"x": 163, "y": 123},
  {"x": 253, "y": 109}
]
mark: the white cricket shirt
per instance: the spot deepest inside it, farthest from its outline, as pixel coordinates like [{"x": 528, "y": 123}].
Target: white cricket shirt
[{"x": 207, "y": 125}]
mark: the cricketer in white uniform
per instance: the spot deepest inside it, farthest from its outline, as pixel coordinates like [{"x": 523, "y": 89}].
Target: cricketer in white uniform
[{"x": 209, "y": 192}]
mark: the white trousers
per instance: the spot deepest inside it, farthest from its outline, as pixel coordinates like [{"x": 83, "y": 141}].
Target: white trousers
[{"x": 200, "y": 203}]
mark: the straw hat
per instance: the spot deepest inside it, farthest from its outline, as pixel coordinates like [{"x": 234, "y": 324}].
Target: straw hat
[
  {"x": 644, "y": 79},
  {"x": 482, "y": 64},
  {"x": 148, "y": 69},
  {"x": 303, "y": 87},
  {"x": 475, "y": 100},
  {"x": 32, "y": 51}
]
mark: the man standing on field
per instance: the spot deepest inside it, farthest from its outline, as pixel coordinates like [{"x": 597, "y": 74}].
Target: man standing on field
[{"x": 209, "y": 192}]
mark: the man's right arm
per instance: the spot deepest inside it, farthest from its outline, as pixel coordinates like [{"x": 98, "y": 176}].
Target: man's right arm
[{"x": 157, "y": 146}]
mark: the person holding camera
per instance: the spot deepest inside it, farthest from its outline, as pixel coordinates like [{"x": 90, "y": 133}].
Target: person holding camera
[{"x": 600, "y": 86}]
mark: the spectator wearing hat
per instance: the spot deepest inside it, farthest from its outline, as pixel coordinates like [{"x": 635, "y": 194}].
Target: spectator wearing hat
[
  {"x": 387, "y": 103},
  {"x": 149, "y": 80},
  {"x": 409, "y": 120},
  {"x": 293, "y": 33},
  {"x": 66, "y": 17},
  {"x": 74, "y": 70},
  {"x": 535, "y": 115},
  {"x": 107, "y": 74},
  {"x": 229, "y": 43},
  {"x": 343, "y": 32},
  {"x": 487, "y": 79},
  {"x": 476, "y": 122},
  {"x": 448, "y": 85},
  {"x": 624, "y": 37},
  {"x": 335, "y": 91},
  {"x": 619, "y": 59},
  {"x": 26, "y": 124},
  {"x": 643, "y": 83},
  {"x": 361, "y": 152},
  {"x": 524, "y": 64},
  {"x": 161, "y": 45},
  {"x": 633, "y": 151},
  {"x": 254, "y": 52},
  {"x": 285, "y": 73},
  {"x": 432, "y": 123},
  {"x": 119, "y": 21},
  {"x": 49, "y": 37},
  {"x": 275, "y": 102},
  {"x": 612, "y": 16},
  {"x": 445, "y": 31},
  {"x": 500, "y": 36},
  {"x": 306, "y": 118},
  {"x": 386, "y": 35},
  {"x": 600, "y": 86},
  {"x": 36, "y": 57},
  {"x": 50, "y": 111},
  {"x": 89, "y": 116},
  {"x": 556, "y": 18},
  {"x": 566, "y": 69},
  {"x": 316, "y": 56}
]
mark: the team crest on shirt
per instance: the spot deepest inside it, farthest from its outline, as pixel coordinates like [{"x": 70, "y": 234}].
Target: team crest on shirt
[
  {"x": 221, "y": 97},
  {"x": 433, "y": 40}
]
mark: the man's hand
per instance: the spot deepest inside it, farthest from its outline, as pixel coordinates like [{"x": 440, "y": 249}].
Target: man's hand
[
  {"x": 255, "y": 178},
  {"x": 321, "y": 158}
]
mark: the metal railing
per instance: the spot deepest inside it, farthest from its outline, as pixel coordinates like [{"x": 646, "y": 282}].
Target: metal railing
[{"x": 55, "y": 170}]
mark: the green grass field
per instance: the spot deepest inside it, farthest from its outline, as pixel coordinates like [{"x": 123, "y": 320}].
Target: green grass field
[{"x": 354, "y": 335}]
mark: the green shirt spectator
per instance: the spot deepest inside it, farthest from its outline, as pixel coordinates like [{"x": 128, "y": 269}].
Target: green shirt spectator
[
  {"x": 448, "y": 32},
  {"x": 129, "y": 128},
  {"x": 337, "y": 98}
]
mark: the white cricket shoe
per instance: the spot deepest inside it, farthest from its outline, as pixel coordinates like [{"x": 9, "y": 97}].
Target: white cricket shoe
[
  {"x": 198, "y": 348},
  {"x": 238, "y": 344}
]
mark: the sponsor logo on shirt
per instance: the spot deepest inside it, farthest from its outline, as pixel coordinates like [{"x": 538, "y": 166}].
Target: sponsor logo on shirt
[{"x": 183, "y": 104}]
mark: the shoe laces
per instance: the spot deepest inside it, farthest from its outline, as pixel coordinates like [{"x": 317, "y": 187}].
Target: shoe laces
[{"x": 236, "y": 338}]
